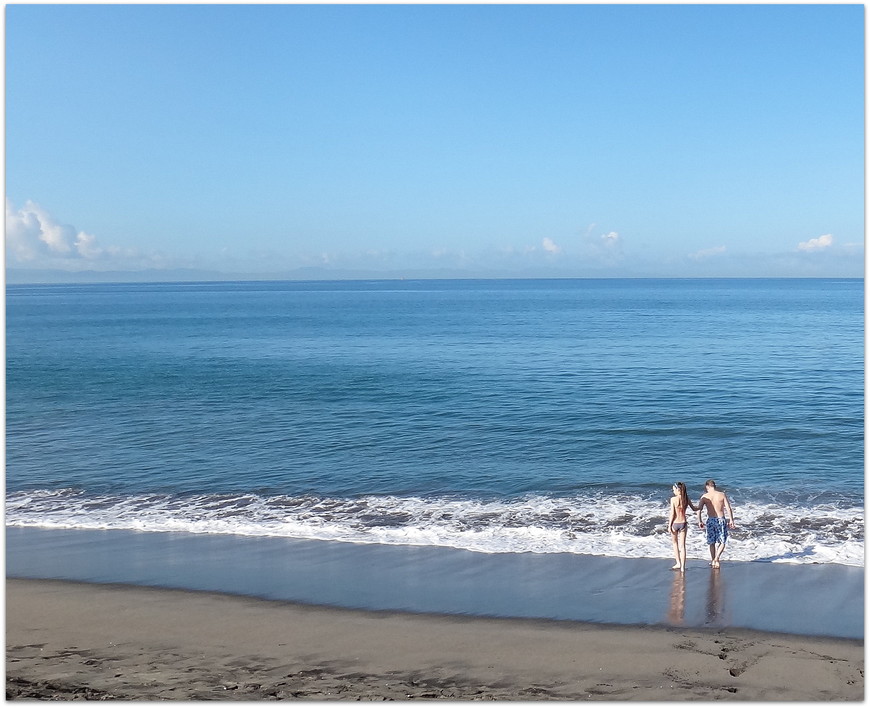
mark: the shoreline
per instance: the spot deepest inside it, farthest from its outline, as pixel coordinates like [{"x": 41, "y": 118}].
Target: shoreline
[
  {"x": 769, "y": 597},
  {"x": 79, "y": 640}
]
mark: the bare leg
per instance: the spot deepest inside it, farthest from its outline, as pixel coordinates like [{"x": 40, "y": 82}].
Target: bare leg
[
  {"x": 712, "y": 553},
  {"x": 720, "y": 549},
  {"x": 676, "y": 551},
  {"x": 681, "y": 542}
]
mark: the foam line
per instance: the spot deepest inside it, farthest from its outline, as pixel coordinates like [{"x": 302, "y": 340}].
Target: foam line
[{"x": 599, "y": 524}]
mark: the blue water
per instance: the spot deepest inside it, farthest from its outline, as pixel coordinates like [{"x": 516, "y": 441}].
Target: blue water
[{"x": 496, "y": 416}]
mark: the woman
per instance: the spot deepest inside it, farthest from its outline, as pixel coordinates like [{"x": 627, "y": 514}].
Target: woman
[{"x": 677, "y": 524}]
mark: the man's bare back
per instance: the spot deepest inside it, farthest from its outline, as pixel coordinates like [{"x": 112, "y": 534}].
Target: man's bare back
[{"x": 716, "y": 503}]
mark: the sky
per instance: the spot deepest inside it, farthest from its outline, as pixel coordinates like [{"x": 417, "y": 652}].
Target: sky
[{"x": 436, "y": 140}]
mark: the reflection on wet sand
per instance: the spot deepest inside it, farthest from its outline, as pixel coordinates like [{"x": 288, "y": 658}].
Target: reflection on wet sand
[
  {"x": 677, "y": 611},
  {"x": 714, "y": 607},
  {"x": 715, "y": 598}
]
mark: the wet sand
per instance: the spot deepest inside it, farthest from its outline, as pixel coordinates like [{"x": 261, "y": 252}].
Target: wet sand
[
  {"x": 771, "y": 597},
  {"x": 70, "y": 640}
]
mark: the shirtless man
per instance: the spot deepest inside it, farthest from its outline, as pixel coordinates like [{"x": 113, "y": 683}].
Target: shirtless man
[{"x": 716, "y": 504}]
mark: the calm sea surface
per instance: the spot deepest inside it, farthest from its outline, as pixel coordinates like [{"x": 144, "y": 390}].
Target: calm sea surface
[{"x": 496, "y": 416}]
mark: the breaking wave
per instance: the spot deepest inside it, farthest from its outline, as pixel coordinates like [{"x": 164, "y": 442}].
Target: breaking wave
[{"x": 597, "y": 524}]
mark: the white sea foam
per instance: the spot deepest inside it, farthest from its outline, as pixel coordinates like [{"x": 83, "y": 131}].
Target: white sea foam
[{"x": 618, "y": 526}]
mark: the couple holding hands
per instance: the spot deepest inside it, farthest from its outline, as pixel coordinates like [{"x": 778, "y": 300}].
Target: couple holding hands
[{"x": 716, "y": 503}]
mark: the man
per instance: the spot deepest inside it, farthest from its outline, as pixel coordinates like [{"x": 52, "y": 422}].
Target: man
[{"x": 716, "y": 503}]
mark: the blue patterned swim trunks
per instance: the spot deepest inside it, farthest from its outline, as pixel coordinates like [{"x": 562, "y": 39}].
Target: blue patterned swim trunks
[{"x": 717, "y": 531}]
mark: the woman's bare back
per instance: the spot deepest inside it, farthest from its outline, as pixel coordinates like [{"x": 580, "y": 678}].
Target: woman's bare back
[{"x": 679, "y": 510}]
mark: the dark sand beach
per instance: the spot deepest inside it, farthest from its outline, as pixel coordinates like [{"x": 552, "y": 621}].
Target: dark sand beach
[{"x": 76, "y": 640}]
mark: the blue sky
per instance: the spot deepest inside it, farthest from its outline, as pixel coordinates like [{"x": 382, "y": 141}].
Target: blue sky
[{"x": 566, "y": 140}]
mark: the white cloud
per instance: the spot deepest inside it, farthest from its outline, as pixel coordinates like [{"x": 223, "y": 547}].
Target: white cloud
[
  {"x": 550, "y": 246},
  {"x": 600, "y": 250},
  {"x": 706, "y": 253},
  {"x": 817, "y": 244},
  {"x": 32, "y": 233},
  {"x": 611, "y": 244},
  {"x": 35, "y": 239}
]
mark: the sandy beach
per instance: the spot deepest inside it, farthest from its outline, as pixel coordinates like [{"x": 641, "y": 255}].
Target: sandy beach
[{"x": 68, "y": 640}]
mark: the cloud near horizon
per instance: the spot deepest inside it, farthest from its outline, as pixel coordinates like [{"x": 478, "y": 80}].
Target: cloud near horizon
[
  {"x": 705, "y": 253},
  {"x": 34, "y": 238},
  {"x": 32, "y": 233},
  {"x": 816, "y": 244},
  {"x": 605, "y": 249},
  {"x": 550, "y": 246}
]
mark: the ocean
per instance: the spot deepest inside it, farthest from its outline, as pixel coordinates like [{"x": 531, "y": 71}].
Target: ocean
[{"x": 492, "y": 416}]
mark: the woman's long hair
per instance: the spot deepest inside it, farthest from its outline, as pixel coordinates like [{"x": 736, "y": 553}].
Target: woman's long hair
[{"x": 684, "y": 496}]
